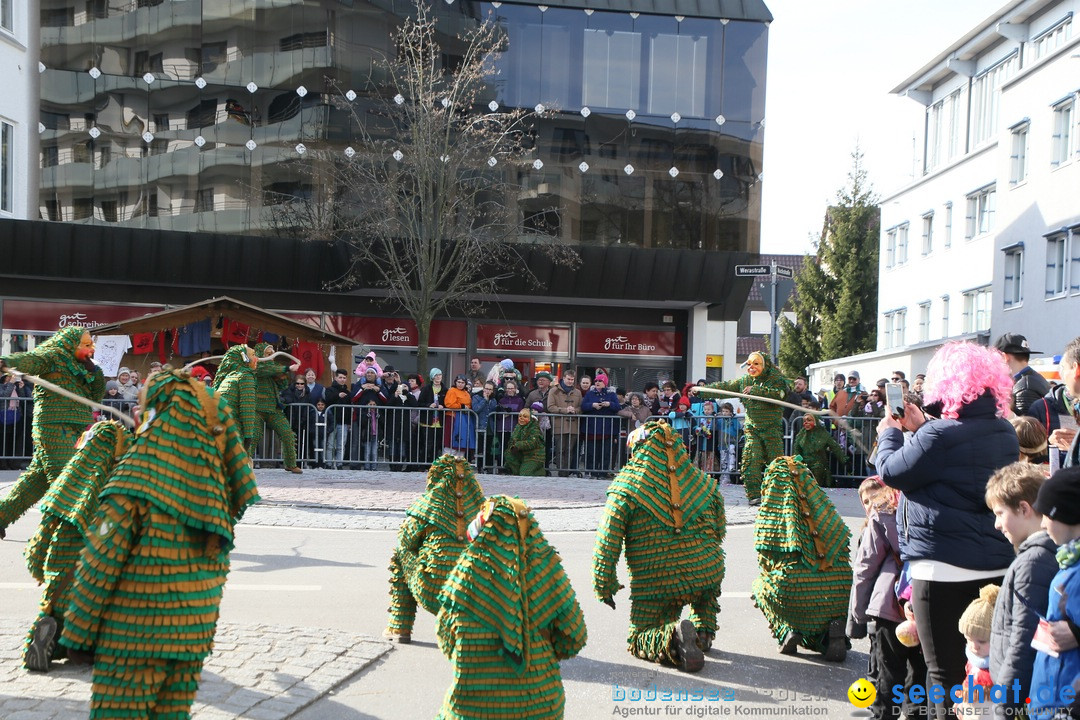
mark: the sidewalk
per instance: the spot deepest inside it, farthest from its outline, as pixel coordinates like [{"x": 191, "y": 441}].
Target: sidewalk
[{"x": 271, "y": 672}]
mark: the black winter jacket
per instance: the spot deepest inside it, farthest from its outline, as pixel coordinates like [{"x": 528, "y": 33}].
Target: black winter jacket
[
  {"x": 942, "y": 471},
  {"x": 1030, "y": 387}
]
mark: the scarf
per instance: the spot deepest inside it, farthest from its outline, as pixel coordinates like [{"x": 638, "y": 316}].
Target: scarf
[
  {"x": 1068, "y": 554},
  {"x": 566, "y": 388}
]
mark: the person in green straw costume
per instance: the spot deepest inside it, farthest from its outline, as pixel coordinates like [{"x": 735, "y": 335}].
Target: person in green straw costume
[
  {"x": 803, "y": 548},
  {"x": 813, "y": 444},
  {"x": 525, "y": 449},
  {"x": 669, "y": 516},
  {"x": 147, "y": 590},
  {"x": 270, "y": 379},
  {"x": 65, "y": 360},
  {"x": 764, "y": 429},
  {"x": 508, "y": 616},
  {"x": 235, "y": 381},
  {"x": 430, "y": 541},
  {"x": 66, "y": 512}
]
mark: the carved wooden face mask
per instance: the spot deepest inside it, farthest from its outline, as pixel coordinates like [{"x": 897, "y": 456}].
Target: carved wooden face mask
[
  {"x": 755, "y": 364},
  {"x": 86, "y": 347}
]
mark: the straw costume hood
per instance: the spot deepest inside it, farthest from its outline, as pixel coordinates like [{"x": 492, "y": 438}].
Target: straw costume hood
[
  {"x": 525, "y": 449},
  {"x": 270, "y": 379},
  {"x": 803, "y": 550},
  {"x": 670, "y": 518},
  {"x": 429, "y": 542},
  {"x": 814, "y": 447},
  {"x": 508, "y": 616},
  {"x": 66, "y": 511},
  {"x": 235, "y": 381},
  {"x": 764, "y": 426},
  {"x": 58, "y": 421}
]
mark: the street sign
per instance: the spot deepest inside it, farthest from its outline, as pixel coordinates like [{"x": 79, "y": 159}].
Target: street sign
[
  {"x": 752, "y": 270},
  {"x": 784, "y": 271}
]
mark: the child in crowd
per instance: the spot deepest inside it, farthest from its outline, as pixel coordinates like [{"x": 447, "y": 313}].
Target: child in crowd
[
  {"x": 705, "y": 437},
  {"x": 727, "y": 440},
  {"x": 324, "y": 428},
  {"x": 1059, "y": 503},
  {"x": 1010, "y": 494},
  {"x": 975, "y": 625},
  {"x": 874, "y": 608},
  {"x": 1033, "y": 445}
]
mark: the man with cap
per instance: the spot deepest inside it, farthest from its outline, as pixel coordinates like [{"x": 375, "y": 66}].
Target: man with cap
[
  {"x": 1029, "y": 385},
  {"x": 1059, "y": 503}
]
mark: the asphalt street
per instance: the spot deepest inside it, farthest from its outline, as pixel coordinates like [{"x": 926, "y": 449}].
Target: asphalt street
[{"x": 305, "y": 606}]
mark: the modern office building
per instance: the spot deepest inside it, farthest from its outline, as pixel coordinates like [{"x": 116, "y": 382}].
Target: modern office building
[
  {"x": 985, "y": 239},
  {"x": 190, "y": 115}
]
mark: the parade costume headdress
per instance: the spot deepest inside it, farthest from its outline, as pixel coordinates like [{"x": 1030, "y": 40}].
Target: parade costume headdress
[
  {"x": 238, "y": 358},
  {"x": 180, "y": 460},
  {"x": 509, "y": 579},
  {"x": 452, "y": 497},
  {"x": 796, "y": 516}
]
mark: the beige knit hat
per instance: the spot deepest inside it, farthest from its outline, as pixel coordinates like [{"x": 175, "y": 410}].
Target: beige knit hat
[{"x": 976, "y": 620}]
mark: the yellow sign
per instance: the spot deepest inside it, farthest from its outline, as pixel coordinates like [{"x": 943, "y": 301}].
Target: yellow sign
[{"x": 714, "y": 361}]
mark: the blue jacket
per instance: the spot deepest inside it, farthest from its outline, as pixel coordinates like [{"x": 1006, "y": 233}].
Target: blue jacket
[
  {"x": 595, "y": 422},
  {"x": 942, "y": 471},
  {"x": 1055, "y": 672}
]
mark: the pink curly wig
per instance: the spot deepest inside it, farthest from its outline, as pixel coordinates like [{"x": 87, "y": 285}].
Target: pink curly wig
[{"x": 962, "y": 371}]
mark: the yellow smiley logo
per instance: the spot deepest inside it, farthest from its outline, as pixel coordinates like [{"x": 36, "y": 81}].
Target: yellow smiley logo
[{"x": 861, "y": 693}]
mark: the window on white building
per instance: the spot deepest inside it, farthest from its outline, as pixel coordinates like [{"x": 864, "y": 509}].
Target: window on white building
[
  {"x": 1012, "y": 290},
  {"x": 1074, "y": 260},
  {"x": 901, "y": 244},
  {"x": 895, "y": 322},
  {"x": 1057, "y": 260},
  {"x": 986, "y": 100},
  {"x": 977, "y": 310},
  {"x": 924, "y": 321},
  {"x": 1018, "y": 166},
  {"x": 981, "y": 206},
  {"x": 1064, "y": 133},
  {"x": 927, "y": 233},
  {"x": 7, "y": 179},
  {"x": 944, "y": 316},
  {"x": 1050, "y": 40},
  {"x": 942, "y": 131},
  {"x": 890, "y": 248},
  {"x": 948, "y": 224},
  {"x": 6, "y": 21}
]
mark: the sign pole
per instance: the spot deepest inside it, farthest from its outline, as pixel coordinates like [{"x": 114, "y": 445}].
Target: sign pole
[{"x": 774, "y": 312}]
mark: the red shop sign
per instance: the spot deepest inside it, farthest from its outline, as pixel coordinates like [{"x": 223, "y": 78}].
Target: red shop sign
[
  {"x": 530, "y": 339},
  {"x": 48, "y": 317},
  {"x": 397, "y": 332},
  {"x": 628, "y": 342}
]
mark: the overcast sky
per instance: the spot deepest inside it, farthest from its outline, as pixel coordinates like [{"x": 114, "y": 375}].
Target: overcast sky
[{"x": 831, "y": 66}]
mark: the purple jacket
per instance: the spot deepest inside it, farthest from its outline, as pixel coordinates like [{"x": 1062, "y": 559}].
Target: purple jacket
[
  {"x": 875, "y": 570},
  {"x": 505, "y": 413}
]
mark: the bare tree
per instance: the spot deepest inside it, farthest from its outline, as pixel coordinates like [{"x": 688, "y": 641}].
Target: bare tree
[{"x": 426, "y": 204}]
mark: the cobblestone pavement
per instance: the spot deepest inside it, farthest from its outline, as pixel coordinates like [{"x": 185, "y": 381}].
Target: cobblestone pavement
[
  {"x": 261, "y": 672},
  {"x": 270, "y": 672}
]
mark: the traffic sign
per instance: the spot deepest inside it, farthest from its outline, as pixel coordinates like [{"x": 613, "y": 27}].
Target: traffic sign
[
  {"x": 752, "y": 270},
  {"x": 783, "y": 271}
]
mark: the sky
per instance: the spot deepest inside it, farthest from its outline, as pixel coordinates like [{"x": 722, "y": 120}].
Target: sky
[{"x": 831, "y": 66}]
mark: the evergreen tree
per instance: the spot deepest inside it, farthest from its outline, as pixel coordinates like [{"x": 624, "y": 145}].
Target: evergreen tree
[{"x": 835, "y": 298}]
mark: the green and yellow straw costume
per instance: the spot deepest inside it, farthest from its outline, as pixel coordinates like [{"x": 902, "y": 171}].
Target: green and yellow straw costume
[
  {"x": 430, "y": 541},
  {"x": 508, "y": 616},
  {"x": 147, "y": 591},
  {"x": 66, "y": 511},
  {"x": 270, "y": 379},
  {"x": 235, "y": 381},
  {"x": 525, "y": 449},
  {"x": 764, "y": 428},
  {"x": 803, "y": 548},
  {"x": 814, "y": 447},
  {"x": 669, "y": 517},
  {"x": 58, "y": 421}
]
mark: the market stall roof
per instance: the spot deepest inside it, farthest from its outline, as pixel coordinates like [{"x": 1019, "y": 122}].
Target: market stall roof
[{"x": 258, "y": 319}]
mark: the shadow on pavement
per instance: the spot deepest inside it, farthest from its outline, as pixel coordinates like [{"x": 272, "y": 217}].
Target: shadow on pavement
[{"x": 273, "y": 563}]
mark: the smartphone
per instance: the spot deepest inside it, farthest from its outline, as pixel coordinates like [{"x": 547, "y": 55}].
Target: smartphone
[{"x": 894, "y": 398}]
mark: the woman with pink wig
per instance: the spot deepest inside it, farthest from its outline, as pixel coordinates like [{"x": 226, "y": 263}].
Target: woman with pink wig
[{"x": 947, "y": 535}]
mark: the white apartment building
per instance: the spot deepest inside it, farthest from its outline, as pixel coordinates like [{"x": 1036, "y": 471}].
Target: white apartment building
[
  {"x": 18, "y": 109},
  {"x": 986, "y": 239}
]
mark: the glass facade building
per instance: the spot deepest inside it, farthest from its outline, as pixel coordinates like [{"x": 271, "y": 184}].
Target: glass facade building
[{"x": 195, "y": 114}]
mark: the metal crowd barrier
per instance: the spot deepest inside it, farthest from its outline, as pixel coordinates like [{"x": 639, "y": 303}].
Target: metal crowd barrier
[{"x": 16, "y": 443}]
